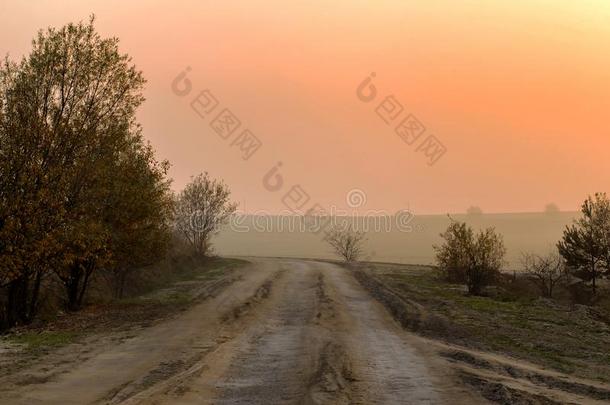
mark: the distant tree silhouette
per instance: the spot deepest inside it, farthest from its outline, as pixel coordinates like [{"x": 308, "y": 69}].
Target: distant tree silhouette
[
  {"x": 474, "y": 210},
  {"x": 551, "y": 208}
]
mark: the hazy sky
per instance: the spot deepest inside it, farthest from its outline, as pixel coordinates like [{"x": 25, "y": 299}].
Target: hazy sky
[{"x": 517, "y": 91}]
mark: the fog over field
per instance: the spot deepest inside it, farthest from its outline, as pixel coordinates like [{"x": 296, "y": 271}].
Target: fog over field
[{"x": 281, "y": 236}]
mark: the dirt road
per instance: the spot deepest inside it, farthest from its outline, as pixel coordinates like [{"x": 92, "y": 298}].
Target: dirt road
[{"x": 288, "y": 331}]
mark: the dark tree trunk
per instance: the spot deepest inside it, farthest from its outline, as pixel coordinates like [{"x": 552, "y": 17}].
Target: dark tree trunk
[
  {"x": 76, "y": 284},
  {"x": 593, "y": 274},
  {"x": 11, "y": 312},
  {"x": 33, "y": 309},
  {"x": 17, "y": 308},
  {"x": 71, "y": 282},
  {"x": 81, "y": 296},
  {"x": 122, "y": 280}
]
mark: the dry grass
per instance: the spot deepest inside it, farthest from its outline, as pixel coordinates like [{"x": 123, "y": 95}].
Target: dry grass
[
  {"x": 570, "y": 338},
  {"x": 162, "y": 294}
]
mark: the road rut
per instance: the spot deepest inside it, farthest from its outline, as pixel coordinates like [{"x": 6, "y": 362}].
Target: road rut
[{"x": 289, "y": 332}]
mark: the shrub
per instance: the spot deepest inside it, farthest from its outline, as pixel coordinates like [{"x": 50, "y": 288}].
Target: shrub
[
  {"x": 346, "y": 242},
  {"x": 473, "y": 259},
  {"x": 545, "y": 271}
]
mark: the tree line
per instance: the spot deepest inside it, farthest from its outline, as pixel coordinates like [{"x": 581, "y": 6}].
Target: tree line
[
  {"x": 476, "y": 258},
  {"x": 582, "y": 254},
  {"x": 81, "y": 191}
]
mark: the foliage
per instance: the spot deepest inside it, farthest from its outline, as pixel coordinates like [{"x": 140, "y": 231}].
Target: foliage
[
  {"x": 71, "y": 155},
  {"x": 137, "y": 213},
  {"x": 585, "y": 245},
  {"x": 475, "y": 259},
  {"x": 451, "y": 256},
  {"x": 201, "y": 208}
]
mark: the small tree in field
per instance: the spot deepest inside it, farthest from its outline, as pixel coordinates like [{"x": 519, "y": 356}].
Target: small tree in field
[
  {"x": 477, "y": 258},
  {"x": 450, "y": 256},
  {"x": 346, "y": 242},
  {"x": 546, "y": 271},
  {"x": 201, "y": 208},
  {"x": 585, "y": 245}
]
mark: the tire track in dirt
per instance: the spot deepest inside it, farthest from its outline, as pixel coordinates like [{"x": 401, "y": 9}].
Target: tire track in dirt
[
  {"x": 389, "y": 366},
  {"x": 288, "y": 332},
  {"x": 286, "y": 351},
  {"x": 319, "y": 339},
  {"x": 332, "y": 373},
  {"x": 497, "y": 378},
  {"x": 274, "y": 363},
  {"x": 171, "y": 376},
  {"x": 506, "y": 381},
  {"x": 116, "y": 371}
]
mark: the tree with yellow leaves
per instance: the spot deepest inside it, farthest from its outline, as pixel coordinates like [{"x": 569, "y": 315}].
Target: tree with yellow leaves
[{"x": 69, "y": 143}]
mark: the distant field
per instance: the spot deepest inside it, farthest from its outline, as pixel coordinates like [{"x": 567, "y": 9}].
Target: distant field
[{"x": 529, "y": 232}]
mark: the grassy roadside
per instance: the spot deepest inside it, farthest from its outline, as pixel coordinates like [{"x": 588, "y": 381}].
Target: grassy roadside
[
  {"x": 159, "y": 294},
  {"x": 567, "y": 338}
]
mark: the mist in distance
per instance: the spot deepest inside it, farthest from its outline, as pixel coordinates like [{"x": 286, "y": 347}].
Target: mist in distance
[{"x": 279, "y": 236}]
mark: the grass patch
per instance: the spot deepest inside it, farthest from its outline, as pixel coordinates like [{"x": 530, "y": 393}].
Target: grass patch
[
  {"x": 553, "y": 334},
  {"x": 178, "y": 270},
  {"x": 45, "y": 339},
  {"x": 160, "y": 294},
  {"x": 176, "y": 298}
]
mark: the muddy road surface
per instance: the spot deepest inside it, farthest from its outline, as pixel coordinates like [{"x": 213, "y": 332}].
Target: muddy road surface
[{"x": 286, "y": 332}]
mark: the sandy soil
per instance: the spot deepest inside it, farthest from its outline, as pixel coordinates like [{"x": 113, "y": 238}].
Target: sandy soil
[{"x": 287, "y": 331}]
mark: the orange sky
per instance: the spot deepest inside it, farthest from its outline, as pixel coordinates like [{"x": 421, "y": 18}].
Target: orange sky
[{"x": 518, "y": 92}]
